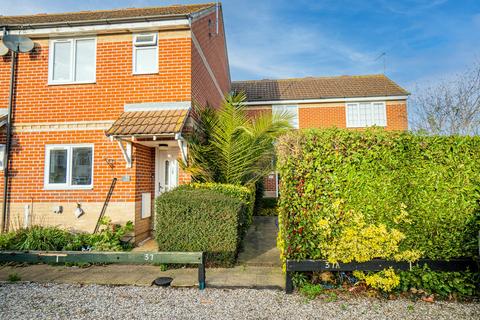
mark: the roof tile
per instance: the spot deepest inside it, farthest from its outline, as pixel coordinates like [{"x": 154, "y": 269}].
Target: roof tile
[
  {"x": 85, "y": 16},
  {"x": 148, "y": 123},
  {"x": 318, "y": 88}
]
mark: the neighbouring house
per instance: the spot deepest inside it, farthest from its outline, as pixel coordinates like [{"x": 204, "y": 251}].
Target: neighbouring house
[
  {"x": 345, "y": 102},
  {"x": 107, "y": 95}
]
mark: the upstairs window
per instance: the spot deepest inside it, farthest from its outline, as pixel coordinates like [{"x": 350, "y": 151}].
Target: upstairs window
[
  {"x": 145, "y": 53},
  {"x": 69, "y": 167},
  {"x": 72, "y": 61},
  {"x": 290, "y": 111},
  {"x": 366, "y": 114}
]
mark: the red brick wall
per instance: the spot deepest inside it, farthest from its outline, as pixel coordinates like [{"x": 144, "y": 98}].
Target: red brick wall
[
  {"x": 144, "y": 182},
  {"x": 213, "y": 47},
  {"x": 333, "y": 115},
  {"x": 115, "y": 86}
]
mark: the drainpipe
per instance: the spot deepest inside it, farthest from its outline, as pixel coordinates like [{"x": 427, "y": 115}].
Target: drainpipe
[
  {"x": 8, "y": 142},
  {"x": 181, "y": 145}
]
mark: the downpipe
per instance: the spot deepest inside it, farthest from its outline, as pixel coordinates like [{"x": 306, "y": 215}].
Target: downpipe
[{"x": 8, "y": 142}]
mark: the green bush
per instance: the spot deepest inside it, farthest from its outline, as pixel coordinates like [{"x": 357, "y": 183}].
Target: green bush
[
  {"x": 358, "y": 195},
  {"x": 242, "y": 193},
  {"x": 198, "y": 219},
  {"x": 55, "y": 239},
  {"x": 442, "y": 283}
]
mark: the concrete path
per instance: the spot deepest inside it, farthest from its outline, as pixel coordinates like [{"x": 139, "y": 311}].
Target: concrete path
[
  {"x": 258, "y": 267},
  {"x": 143, "y": 275},
  {"x": 260, "y": 244}
]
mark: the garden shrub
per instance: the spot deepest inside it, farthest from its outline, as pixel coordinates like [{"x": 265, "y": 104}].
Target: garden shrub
[
  {"x": 198, "y": 219},
  {"x": 47, "y": 238},
  {"x": 242, "y": 193},
  {"x": 358, "y": 195}
]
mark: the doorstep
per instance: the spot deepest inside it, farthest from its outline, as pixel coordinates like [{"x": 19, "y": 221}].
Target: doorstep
[{"x": 143, "y": 275}]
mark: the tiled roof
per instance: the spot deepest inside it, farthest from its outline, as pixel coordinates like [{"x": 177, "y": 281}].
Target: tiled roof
[
  {"x": 148, "y": 123},
  {"x": 319, "y": 88},
  {"x": 85, "y": 16}
]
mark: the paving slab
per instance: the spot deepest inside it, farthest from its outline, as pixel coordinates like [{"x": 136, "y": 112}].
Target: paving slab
[
  {"x": 260, "y": 244},
  {"x": 143, "y": 275}
]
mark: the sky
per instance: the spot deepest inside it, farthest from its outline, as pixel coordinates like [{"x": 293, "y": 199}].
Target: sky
[{"x": 424, "y": 41}]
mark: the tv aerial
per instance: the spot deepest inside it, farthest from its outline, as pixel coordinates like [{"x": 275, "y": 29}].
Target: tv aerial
[{"x": 17, "y": 43}]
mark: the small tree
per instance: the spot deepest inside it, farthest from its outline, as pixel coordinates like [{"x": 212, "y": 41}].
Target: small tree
[
  {"x": 228, "y": 146},
  {"x": 451, "y": 107}
]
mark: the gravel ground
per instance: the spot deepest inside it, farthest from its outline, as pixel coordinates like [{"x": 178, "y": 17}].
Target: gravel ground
[{"x": 54, "y": 301}]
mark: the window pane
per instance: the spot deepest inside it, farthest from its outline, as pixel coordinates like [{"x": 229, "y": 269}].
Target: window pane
[
  {"x": 146, "y": 60},
  {"x": 85, "y": 60},
  {"x": 58, "y": 166},
  {"x": 167, "y": 173},
  {"x": 82, "y": 166},
  {"x": 61, "y": 61}
]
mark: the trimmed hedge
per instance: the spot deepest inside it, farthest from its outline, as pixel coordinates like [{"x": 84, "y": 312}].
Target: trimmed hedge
[
  {"x": 198, "y": 219},
  {"x": 358, "y": 195},
  {"x": 239, "y": 192}
]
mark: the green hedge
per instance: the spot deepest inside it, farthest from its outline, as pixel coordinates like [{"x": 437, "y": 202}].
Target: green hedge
[
  {"x": 198, "y": 219},
  {"x": 239, "y": 192},
  {"x": 358, "y": 195}
]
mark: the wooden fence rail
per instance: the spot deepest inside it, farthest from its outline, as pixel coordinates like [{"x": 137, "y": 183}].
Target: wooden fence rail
[
  {"x": 374, "y": 265},
  {"x": 197, "y": 258}
]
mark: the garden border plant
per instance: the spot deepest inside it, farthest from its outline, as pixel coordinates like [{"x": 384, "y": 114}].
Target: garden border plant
[{"x": 361, "y": 195}]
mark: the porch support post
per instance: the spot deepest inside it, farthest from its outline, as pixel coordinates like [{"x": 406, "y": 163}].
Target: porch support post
[{"x": 126, "y": 152}]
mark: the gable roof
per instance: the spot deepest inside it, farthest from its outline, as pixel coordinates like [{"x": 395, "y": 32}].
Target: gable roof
[
  {"x": 319, "y": 88},
  {"x": 105, "y": 15}
]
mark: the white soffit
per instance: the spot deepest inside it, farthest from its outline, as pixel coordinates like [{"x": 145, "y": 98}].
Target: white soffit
[
  {"x": 157, "y": 106},
  {"x": 100, "y": 28},
  {"x": 359, "y": 99}
]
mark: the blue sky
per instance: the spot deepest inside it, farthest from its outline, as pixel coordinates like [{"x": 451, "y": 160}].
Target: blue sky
[{"x": 424, "y": 40}]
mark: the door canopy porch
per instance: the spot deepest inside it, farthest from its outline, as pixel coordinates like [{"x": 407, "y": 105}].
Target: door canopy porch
[{"x": 148, "y": 128}]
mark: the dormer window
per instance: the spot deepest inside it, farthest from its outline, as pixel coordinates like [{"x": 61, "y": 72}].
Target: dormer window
[
  {"x": 145, "y": 53},
  {"x": 72, "y": 61}
]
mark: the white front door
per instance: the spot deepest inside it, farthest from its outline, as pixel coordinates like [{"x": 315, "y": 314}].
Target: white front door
[{"x": 166, "y": 176}]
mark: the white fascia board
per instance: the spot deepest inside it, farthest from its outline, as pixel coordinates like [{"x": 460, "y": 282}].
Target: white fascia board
[
  {"x": 3, "y": 111},
  {"x": 157, "y": 106},
  {"x": 114, "y": 27},
  {"x": 359, "y": 99}
]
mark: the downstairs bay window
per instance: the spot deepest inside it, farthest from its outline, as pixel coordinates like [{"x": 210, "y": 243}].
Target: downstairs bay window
[{"x": 68, "y": 167}]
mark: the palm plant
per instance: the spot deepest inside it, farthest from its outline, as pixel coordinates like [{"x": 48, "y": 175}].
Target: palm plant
[{"x": 228, "y": 146}]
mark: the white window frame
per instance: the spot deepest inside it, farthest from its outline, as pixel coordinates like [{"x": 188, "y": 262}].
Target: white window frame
[
  {"x": 136, "y": 47},
  {"x": 2, "y": 156},
  {"x": 73, "y": 57},
  {"x": 68, "y": 185},
  {"x": 293, "y": 109},
  {"x": 354, "y": 123}
]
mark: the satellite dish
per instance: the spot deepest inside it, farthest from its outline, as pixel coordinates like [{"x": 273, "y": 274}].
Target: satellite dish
[
  {"x": 3, "y": 49},
  {"x": 18, "y": 43}
]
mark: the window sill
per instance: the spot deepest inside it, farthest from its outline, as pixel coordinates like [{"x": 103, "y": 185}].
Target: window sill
[
  {"x": 66, "y": 188},
  {"x": 144, "y": 74},
  {"x": 363, "y": 127},
  {"x": 70, "y": 83}
]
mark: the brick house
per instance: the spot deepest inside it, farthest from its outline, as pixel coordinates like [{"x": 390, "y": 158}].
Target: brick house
[
  {"x": 103, "y": 95},
  {"x": 107, "y": 95},
  {"x": 344, "y": 102}
]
